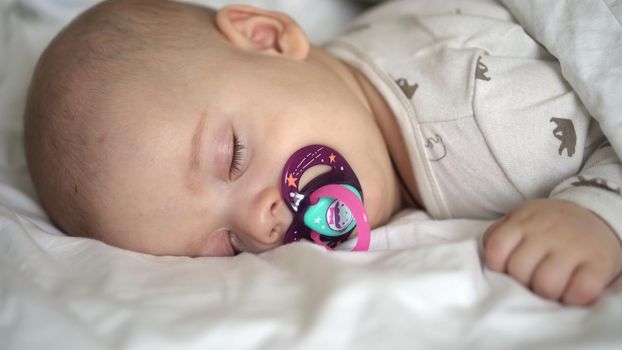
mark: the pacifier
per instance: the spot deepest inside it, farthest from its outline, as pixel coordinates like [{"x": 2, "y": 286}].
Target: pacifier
[{"x": 330, "y": 206}]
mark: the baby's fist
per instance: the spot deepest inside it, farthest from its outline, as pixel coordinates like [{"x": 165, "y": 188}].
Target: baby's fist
[{"x": 559, "y": 249}]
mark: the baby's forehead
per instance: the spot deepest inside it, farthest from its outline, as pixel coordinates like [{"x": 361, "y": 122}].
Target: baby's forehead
[{"x": 114, "y": 31}]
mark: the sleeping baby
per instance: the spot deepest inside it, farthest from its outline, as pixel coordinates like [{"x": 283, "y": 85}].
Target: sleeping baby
[{"x": 172, "y": 129}]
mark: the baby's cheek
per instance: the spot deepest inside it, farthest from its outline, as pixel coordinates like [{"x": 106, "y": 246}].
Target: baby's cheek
[{"x": 217, "y": 244}]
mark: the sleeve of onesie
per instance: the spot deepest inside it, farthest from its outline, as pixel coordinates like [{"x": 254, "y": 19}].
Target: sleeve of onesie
[{"x": 597, "y": 187}]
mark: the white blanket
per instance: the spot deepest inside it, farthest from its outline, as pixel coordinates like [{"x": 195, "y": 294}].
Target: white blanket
[{"x": 423, "y": 285}]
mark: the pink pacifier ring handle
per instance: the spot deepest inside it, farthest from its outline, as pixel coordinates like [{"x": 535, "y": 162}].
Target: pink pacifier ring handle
[
  {"x": 315, "y": 237},
  {"x": 348, "y": 198}
]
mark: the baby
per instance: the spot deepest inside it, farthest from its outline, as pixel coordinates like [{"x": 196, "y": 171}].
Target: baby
[{"x": 163, "y": 127}]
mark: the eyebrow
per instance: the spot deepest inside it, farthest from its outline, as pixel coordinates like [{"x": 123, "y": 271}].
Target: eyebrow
[{"x": 196, "y": 143}]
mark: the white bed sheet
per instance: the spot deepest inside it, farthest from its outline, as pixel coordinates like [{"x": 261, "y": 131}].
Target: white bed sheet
[{"x": 422, "y": 285}]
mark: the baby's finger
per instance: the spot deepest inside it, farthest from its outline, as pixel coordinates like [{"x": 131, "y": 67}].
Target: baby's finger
[
  {"x": 493, "y": 227},
  {"x": 586, "y": 285},
  {"x": 524, "y": 260},
  {"x": 499, "y": 242},
  {"x": 553, "y": 275}
]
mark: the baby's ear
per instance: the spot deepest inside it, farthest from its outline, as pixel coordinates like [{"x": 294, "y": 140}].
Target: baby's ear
[{"x": 268, "y": 32}]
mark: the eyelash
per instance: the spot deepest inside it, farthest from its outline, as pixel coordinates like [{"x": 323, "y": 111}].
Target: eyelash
[{"x": 236, "y": 158}]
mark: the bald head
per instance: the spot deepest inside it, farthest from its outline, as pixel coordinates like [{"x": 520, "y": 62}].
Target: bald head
[{"x": 68, "y": 103}]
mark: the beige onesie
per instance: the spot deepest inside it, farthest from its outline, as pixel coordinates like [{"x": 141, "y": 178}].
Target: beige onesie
[{"x": 488, "y": 119}]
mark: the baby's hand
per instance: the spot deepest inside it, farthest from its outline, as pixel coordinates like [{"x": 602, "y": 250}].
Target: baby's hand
[{"x": 559, "y": 249}]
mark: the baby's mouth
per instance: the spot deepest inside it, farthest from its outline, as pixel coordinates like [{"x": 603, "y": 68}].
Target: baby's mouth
[{"x": 326, "y": 218}]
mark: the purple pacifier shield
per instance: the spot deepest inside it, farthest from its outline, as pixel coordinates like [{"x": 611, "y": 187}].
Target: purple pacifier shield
[{"x": 297, "y": 199}]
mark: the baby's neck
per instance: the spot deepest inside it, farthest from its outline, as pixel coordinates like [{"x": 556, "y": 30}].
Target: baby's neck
[
  {"x": 342, "y": 71},
  {"x": 384, "y": 117}
]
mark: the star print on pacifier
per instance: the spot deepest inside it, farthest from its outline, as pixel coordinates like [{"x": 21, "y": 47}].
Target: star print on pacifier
[{"x": 329, "y": 207}]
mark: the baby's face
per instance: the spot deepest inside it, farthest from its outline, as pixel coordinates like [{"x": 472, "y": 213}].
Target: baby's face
[{"x": 194, "y": 152}]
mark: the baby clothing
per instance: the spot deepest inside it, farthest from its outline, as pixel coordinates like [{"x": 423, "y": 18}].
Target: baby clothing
[{"x": 488, "y": 119}]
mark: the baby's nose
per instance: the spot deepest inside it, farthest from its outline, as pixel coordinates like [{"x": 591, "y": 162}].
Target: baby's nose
[{"x": 269, "y": 218}]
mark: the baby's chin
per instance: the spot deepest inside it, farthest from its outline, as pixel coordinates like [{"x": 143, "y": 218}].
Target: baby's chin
[{"x": 375, "y": 206}]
